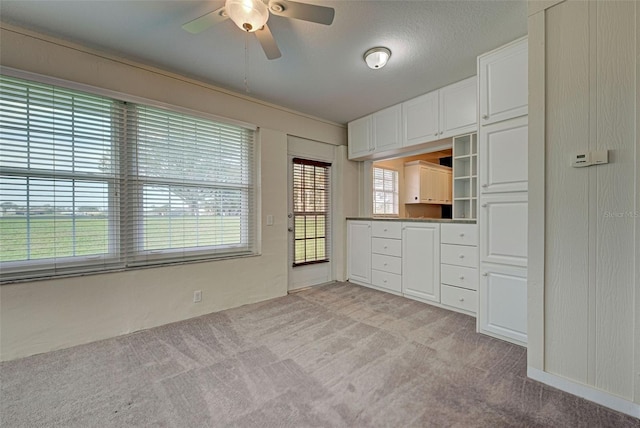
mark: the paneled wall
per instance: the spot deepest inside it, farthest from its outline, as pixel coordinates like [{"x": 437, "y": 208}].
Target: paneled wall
[{"x": 585, "y": 278}]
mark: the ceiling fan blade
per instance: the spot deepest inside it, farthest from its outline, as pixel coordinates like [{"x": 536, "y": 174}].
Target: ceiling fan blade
[
  {"x": 268, "y": 43},
  {"x": 306, "y": 12},
  {"x": 205, "y": 21}
]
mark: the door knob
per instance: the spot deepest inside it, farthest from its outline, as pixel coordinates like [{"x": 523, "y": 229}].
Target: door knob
[{"x": 290, "y": 229}]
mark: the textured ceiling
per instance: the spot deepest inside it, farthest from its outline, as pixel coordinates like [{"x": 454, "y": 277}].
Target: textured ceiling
[{"x": 321, "y": 71}]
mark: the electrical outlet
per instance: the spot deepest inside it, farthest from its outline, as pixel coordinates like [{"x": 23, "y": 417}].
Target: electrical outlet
[{"x": 197, "y": 296}]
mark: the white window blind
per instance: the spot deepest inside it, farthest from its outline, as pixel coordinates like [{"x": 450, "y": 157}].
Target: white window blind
[
  {"x": 190, "y": 187},
  {"x": 89, "y": 183},
  {"x": 58, "y": 178},
  {"x": 385, "y": 191}
]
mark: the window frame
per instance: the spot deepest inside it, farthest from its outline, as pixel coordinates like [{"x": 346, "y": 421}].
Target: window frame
[
  {"x": 395, "y": 193},
  {"x": 117, "y": 258}
]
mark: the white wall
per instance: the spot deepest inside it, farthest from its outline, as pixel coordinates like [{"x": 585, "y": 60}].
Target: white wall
[
  {"x": 584, "y": 271},
  {"x": 44, "y": 315}
]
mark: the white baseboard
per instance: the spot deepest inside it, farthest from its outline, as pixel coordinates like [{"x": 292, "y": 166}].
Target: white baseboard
[{"x": 586, "y": 392}]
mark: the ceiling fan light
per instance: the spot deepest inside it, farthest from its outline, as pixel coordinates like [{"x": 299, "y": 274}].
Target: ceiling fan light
[
  {"x": 377, "y": 58},
  {"x": 248, "y": 15}
]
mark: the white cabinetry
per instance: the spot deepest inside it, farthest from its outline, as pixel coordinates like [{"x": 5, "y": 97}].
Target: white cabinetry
[
  {"x": 503, "y": 156},
  {"x": 502, "y": 77},
  {"x": 420, "y": 121},
  {"x": 386, "y": 131},
  {"x": 359, "y": 251},
  {"x": 502, "y": 171},
  {"x": 440, "y": 114},
  {"x": 377, "y": 133},
  {"x": 359, "y": 136},
  {"x": 504, "y": 289},
  {"x": 503, "y": 227},
  {"x": 421, "y": 261},
  {"x": 386, "y": 261},
  {"x": 458, "y": 109},
  {"x": 465, "y": 179},
  {"x": 459, "y": 267}
]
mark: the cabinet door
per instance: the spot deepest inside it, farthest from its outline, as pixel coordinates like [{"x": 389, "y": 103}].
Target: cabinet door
[
  {"x": 458, "y": 108},
  {"x": 504, "y": 87},
  {"x": 421, "y": 261},
  {"x": 504, "y": 156},
  {"x": 359, "y": 138},
  {"x": 428, "y": 185},
  {"x": 359, "y": 251},
  {"x": 503, "y": 302},
  {"x": 420, "y": 119},
  {"x": 503, "y": 229},
  {"x": 386, "y": 129}
]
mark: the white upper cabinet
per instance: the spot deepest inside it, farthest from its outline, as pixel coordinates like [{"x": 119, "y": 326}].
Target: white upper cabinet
[
  {"x": 420, "y": 121},
  {"x": 458, "y": 109},
  {"x": 440, "y": 114},
  {"x": 503, "y": 82},
  {"x": 359, "y": 135},
  {"x": 386, "y": 128}
]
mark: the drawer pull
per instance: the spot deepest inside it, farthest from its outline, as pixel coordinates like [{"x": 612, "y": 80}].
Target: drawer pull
[
  {"x": 485, "y": 274},
  {"x": 384, "y": 280},
  {"x": 461, "y": 276},
  {"x": 385, "y": 247},
  {"x": 384, "y": 264},
  {"x": 462, "y": 235},
  {"x": 484, "y": 186},
  {"x": 485, "y": 116},
  {"x": 462, "y": 299},
  {"x": 385, "y": 229},
  {"x": 462, "y": 256},
  {"x": 484, "y": 205}
]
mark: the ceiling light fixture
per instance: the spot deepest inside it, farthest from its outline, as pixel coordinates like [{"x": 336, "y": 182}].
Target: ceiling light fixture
[
  {"x": 248, "y": 15},
  {"x": 377, "y": 57}
]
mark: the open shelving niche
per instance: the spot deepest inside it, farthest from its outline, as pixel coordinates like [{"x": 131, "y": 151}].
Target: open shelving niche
[{"x": 465, "y": 177}]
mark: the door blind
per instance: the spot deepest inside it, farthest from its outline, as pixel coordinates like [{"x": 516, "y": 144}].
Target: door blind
[{"x": 311, "y": 185}]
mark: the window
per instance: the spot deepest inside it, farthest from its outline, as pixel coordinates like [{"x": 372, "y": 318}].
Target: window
[
  {"x": 385, "y": 191},
  {"x": 89, "y": 183},
  {"x": 310, "y": 211}
]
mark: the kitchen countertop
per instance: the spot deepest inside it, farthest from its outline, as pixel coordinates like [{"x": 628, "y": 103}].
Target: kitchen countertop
[{"x": 417, "y": 220}]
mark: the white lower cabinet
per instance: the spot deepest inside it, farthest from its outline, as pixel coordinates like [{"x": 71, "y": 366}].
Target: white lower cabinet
[
  {"x": 430, "y": 262},
  {"x": 359, "y": 251},
  {"x": 421, "y": 261},
  {"x": 459, "y": 267},
  {"x": 503, "y": 302}
]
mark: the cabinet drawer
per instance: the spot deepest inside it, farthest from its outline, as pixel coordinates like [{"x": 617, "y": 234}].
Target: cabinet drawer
[
  {"x": 459, "y": 234},
  {"x": 386, "y": 229},
  {"x": 387, "y": 280},
  {"x": 459, "y": 298},
  {"x": 459, "y": 255},
  {"x": 459, "y": 276},
  {"x": 389, "y": 247},
  {"x": 389, "y": 264}
]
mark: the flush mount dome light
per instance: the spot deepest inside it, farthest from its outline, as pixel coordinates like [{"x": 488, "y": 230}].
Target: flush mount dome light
[
  {"x": 377, "y": 57},
  {"x": 248, "y": 15}
]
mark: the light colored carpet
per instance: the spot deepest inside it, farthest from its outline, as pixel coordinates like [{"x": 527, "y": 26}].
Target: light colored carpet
[{"x": 333, "y": 356}]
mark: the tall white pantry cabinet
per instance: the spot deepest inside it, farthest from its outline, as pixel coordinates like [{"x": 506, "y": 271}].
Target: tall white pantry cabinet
[{"x": 503, "y": 202}]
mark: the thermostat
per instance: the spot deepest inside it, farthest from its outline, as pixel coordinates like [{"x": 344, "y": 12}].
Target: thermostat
[{"x": 597, "y": 157}]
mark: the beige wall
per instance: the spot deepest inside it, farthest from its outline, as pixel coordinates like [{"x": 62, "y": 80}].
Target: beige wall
[{"x": 45, "y": 315}]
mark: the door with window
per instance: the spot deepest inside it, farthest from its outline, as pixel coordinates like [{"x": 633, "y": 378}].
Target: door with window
[{"x": 309, "y": 215}]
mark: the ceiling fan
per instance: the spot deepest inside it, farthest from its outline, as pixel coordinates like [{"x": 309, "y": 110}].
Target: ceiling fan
[{"x": 252, "y": 15}]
